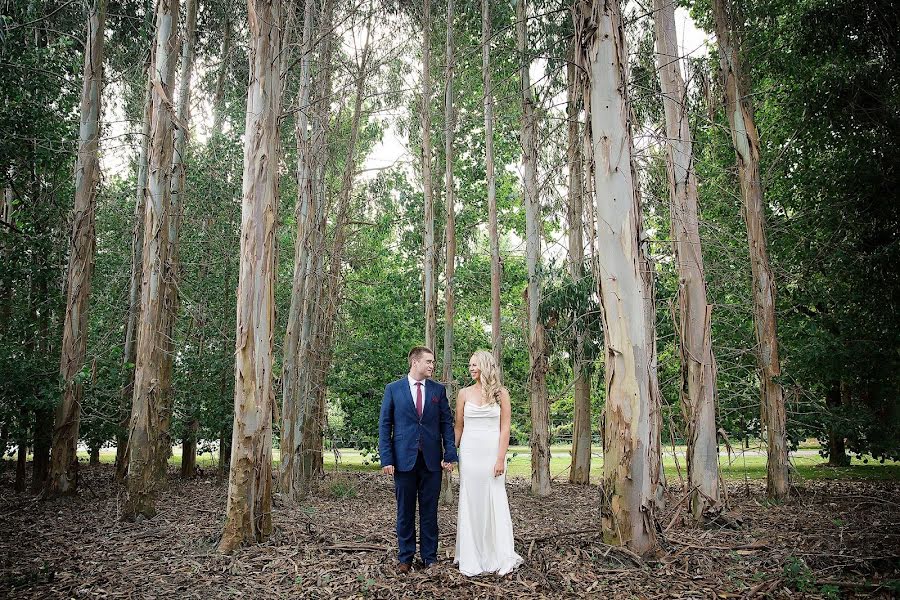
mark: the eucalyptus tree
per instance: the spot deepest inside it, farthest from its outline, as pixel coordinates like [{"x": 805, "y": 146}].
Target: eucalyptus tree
[
  {"x": 449, "y": 231},
  {"x": 537, "y": 357},
  {"x": 293, "y": 409},
  {"x": 745, "y": 138},
  {"x": 64, "y": 465},
  {"x": 698, "y": 367},
  {"x": 147, "y": 401},
  {"x": 248, "y": 516},
  {"x": 493, "y": 230},
  {"x": 628, "y": 502},
  {"x": 173, "y": 267},
  {"x": 580, "y": 471},
  {"x": 428, "y": 184}
]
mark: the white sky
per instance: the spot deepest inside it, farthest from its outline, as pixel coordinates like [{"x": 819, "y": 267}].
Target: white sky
[{"x": 393, "y": 148}]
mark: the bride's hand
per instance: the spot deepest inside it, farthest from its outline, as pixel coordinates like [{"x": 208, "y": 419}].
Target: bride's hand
[{"x": 499, "y": 467}]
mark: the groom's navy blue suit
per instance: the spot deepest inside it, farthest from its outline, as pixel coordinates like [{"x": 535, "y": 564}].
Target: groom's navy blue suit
[{"x": 415, "y": 448}]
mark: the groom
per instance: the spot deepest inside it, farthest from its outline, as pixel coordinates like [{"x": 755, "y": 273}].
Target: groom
[{"x": 415, "y": 420}]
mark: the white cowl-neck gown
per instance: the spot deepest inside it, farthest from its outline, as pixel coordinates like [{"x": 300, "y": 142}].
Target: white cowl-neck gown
[{"x": 484, "y": 534}]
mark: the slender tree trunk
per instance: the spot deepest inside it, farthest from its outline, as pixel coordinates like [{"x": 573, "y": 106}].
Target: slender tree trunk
[
  {"x": 312, "y": 376},
  {"x": 628, "y": 502},
  {"x": 43, "y": 439},
  {"x": 22, "y": 462},
  {"x": 176, "y": 210},
  {"x": 580, "y": 472},
  {"x": 496, "y": 337},
  {"x": 81, "y": 263},
  {"x": 134, "y": 295},
  {"x": 219, "y": 93},
  {"x": 746, "y": 144},
  {"x": 149, "y": 355},
  {"x": 428, "y": 184},
  {"x": 189, "y": 450},
  {"x": 313, "y": 429},
  {"x": 537, "y": 357},
  {"x": 94, "y": 459},
  {"x": 291, "y": 408},
  {"x": 449, "y": 235},
  {"x": 249, "y": 512},
  {"x": 698, "y": 366},
  {"x": 837, "y": 450}
]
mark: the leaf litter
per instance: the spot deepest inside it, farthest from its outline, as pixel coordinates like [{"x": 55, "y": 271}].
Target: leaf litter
[{"x": 834, "y": 539}]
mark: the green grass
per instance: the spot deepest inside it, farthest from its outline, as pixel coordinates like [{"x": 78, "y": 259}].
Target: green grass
[{"x": 750, "y": 465}]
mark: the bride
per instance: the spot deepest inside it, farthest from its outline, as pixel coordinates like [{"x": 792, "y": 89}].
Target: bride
[{"x": 484, "y": 536}]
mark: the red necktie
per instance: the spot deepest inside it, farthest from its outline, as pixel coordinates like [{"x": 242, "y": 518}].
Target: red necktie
[{"x": 419, "y": 398}]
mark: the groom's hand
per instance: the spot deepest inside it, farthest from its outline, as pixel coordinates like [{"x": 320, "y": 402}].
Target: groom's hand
[
  {"x": 388, "y": 470},
  {"x": 447, "y": 466}
]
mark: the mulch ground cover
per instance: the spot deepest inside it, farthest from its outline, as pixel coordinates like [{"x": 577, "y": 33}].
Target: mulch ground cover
[{"x": 833, "y": 539}]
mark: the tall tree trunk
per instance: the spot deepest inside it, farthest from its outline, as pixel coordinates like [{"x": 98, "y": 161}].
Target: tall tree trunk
[
  {"x": 312, "y": 377},
  {"x": 313, "y": 428},
  {"x": 249, "y": 512},
  {"x": 698, "y": 366},
  {"x": 134, "y": 295},
  {"x": 537, "y": 357},
  {"x": 746, "y": 145},
  {"x": 428, "y": 184},
  {"x": 493, "y": 234},
  {"x": 837, "y": 449},
  {"x": 292, "y": 410},
  {"x": 149, "y": 355},
  {"x": 183, "y": 116},
  {"x": 176, "y": 209},
  {"x": 580, "y": 472},
  {"x": 449, "y": 234},
  {"x": 628, "y": 502},
  {"x": 81, "y": 262}
]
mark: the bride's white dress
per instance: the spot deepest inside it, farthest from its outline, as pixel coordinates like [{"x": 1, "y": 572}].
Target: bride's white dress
[{"x": 484, "y": 535}]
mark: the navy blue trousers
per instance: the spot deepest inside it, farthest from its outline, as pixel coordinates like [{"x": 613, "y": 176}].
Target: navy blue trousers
[{"x": 425, "y": 486}]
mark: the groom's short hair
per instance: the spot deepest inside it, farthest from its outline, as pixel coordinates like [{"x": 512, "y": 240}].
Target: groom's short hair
[{"x": 417, "y": 352}]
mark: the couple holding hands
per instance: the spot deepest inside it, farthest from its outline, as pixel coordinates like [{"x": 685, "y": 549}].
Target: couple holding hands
[{"x": 417, "y": 437}]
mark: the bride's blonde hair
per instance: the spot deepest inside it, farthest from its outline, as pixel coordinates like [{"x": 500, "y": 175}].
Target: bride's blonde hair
[{"x": 489, "y": 377}]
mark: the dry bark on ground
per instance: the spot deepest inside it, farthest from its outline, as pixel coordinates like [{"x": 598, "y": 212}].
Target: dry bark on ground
[{"x": 834, "y": 539}]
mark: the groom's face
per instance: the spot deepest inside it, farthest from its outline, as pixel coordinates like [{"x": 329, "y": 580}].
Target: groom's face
[{"x": 423, "y": 366}]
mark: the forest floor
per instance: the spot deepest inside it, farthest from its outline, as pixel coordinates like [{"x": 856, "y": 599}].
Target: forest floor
[{"x": 832, "y": 539}]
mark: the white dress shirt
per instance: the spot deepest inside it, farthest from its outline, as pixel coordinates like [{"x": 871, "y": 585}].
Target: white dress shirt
[{"x": 412, "y": 390}]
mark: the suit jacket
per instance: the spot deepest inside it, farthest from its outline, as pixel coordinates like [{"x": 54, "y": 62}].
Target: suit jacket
[{"x": 401, "y": 434}]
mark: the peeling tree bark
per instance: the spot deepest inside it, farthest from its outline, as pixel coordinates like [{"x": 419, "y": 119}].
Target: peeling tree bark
[
  {"x": 150, "y": 347},
  {"x": 537, "y": 355},
  {"x": 428, "y": 184},
  {"x": 580, "y": 471},
  {"x": 171, "y": 275},
  {"x": 628, "y": 502},
  {"x": 292, "y": 411},
  {"x": 183, "y": 119},
  {"x": 698, "y": 366},
  {"x": 64, "y": 461},
  {"x": 248, "y": 517},
  {"x": 449, "y": 234},
  {"x": 746, "y": 146},
  {"x": 134, "y": 295},
  {"x": 496, "y": 336}
]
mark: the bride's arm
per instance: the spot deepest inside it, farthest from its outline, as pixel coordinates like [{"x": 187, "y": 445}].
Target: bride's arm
[
  {"x": 459, "y": 417},
  {"x": 505, "y": 420}
]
